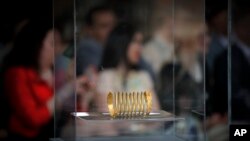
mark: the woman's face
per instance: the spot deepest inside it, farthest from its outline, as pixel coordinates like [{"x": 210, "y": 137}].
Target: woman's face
[
  {"x": 135, "y": 48},
  {"x": 47, "y": 51}
]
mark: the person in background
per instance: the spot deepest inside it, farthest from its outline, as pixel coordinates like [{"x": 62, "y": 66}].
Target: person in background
[
  {"x": 217, "y": 20},
  {"x": 28, "y": 83},
  {"x": 241, "y": 63},
  {"x": 99, "y": 21},
  {"x": 216, "y": 105},
  {"x": 120, "y": 71},
  {"x": 240, "y": 67},
  {"x": 159, "y": 50},
  {"x": 188, "y": 64},
  {"x": 182, "y": 82},
  {"x": 7, "y": 35},
  {"x": 240, "y": 84},
  {"x": 119, "y": 67}
]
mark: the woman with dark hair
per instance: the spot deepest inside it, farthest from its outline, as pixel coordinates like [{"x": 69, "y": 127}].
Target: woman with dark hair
[
  {"x": 119, "y": 68},
  {"x": 28, "y": 83}
]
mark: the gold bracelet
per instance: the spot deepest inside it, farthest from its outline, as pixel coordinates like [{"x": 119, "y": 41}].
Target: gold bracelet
[{"x": 129, "y": 104}]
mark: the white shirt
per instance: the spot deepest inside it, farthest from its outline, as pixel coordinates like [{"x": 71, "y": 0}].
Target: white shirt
[{"x": 158, "y": 52}]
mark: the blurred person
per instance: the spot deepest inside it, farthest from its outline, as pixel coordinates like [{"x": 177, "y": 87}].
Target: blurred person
[
  {"x": 99, "y": 21},
  {"x": 190, "y": 38},
  {"x": 216, "y": 103},
  {"x": 182, "y": 81},
  {"x": 240, "y": 66},
  {"x": 74, "y": 94},
  {"x": 66, "y": 86},
  {"x": 28, "y": 83},
  {"x": 159, "y": 50},
  {"x": 119, "y": 69},
  {"x": 217, "y": 20},
  {"x": 217, "y": 122},
  {"x": 8, "y": 33}
]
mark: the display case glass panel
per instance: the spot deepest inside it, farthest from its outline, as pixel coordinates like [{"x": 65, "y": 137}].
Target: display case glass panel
[{"x": 131, "y": 48}]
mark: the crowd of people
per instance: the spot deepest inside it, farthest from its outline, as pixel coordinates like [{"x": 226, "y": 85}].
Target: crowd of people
[{"x": 184, "y": 64}]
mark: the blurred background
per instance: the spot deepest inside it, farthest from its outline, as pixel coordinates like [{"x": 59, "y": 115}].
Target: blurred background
[{"x": 63, "y": 56}]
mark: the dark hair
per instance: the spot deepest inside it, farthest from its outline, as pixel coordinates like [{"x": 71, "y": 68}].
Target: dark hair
[
  {"x": 214, "y": 7},
  {"x": 27, "y": 45},
  {"x": 89, "y": 19},
  {"x": 240, "y": 11},
  {"x": 117, "y": 46}
]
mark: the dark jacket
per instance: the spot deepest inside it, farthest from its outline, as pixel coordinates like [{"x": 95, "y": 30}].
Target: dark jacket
[{"x": 240, "y": 83}]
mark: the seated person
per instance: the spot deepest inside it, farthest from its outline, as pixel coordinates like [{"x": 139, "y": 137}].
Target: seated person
[
  {"x": 99, "y": 21},
  {"x": 28, "y": 83},
  {"x": 119, "y": 67}
]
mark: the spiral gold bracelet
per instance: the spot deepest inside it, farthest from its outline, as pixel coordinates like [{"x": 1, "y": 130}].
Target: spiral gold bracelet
[{"x": 129, "y": 104}]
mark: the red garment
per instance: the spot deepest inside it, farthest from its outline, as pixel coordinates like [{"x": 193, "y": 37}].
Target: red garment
[{"x": 28, "y": 96}]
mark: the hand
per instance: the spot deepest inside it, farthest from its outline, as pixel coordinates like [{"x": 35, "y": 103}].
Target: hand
[
  {"x": 84, "y": 93},
  {"x": 82, "y": 85},
  {"x": 92, "y": 76},
  {"x": 86, "y": 82},
  {"x": 86, "y": 88}
]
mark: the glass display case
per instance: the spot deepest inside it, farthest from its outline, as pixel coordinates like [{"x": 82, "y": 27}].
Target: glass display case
[{"x": 131, "y": 47}]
